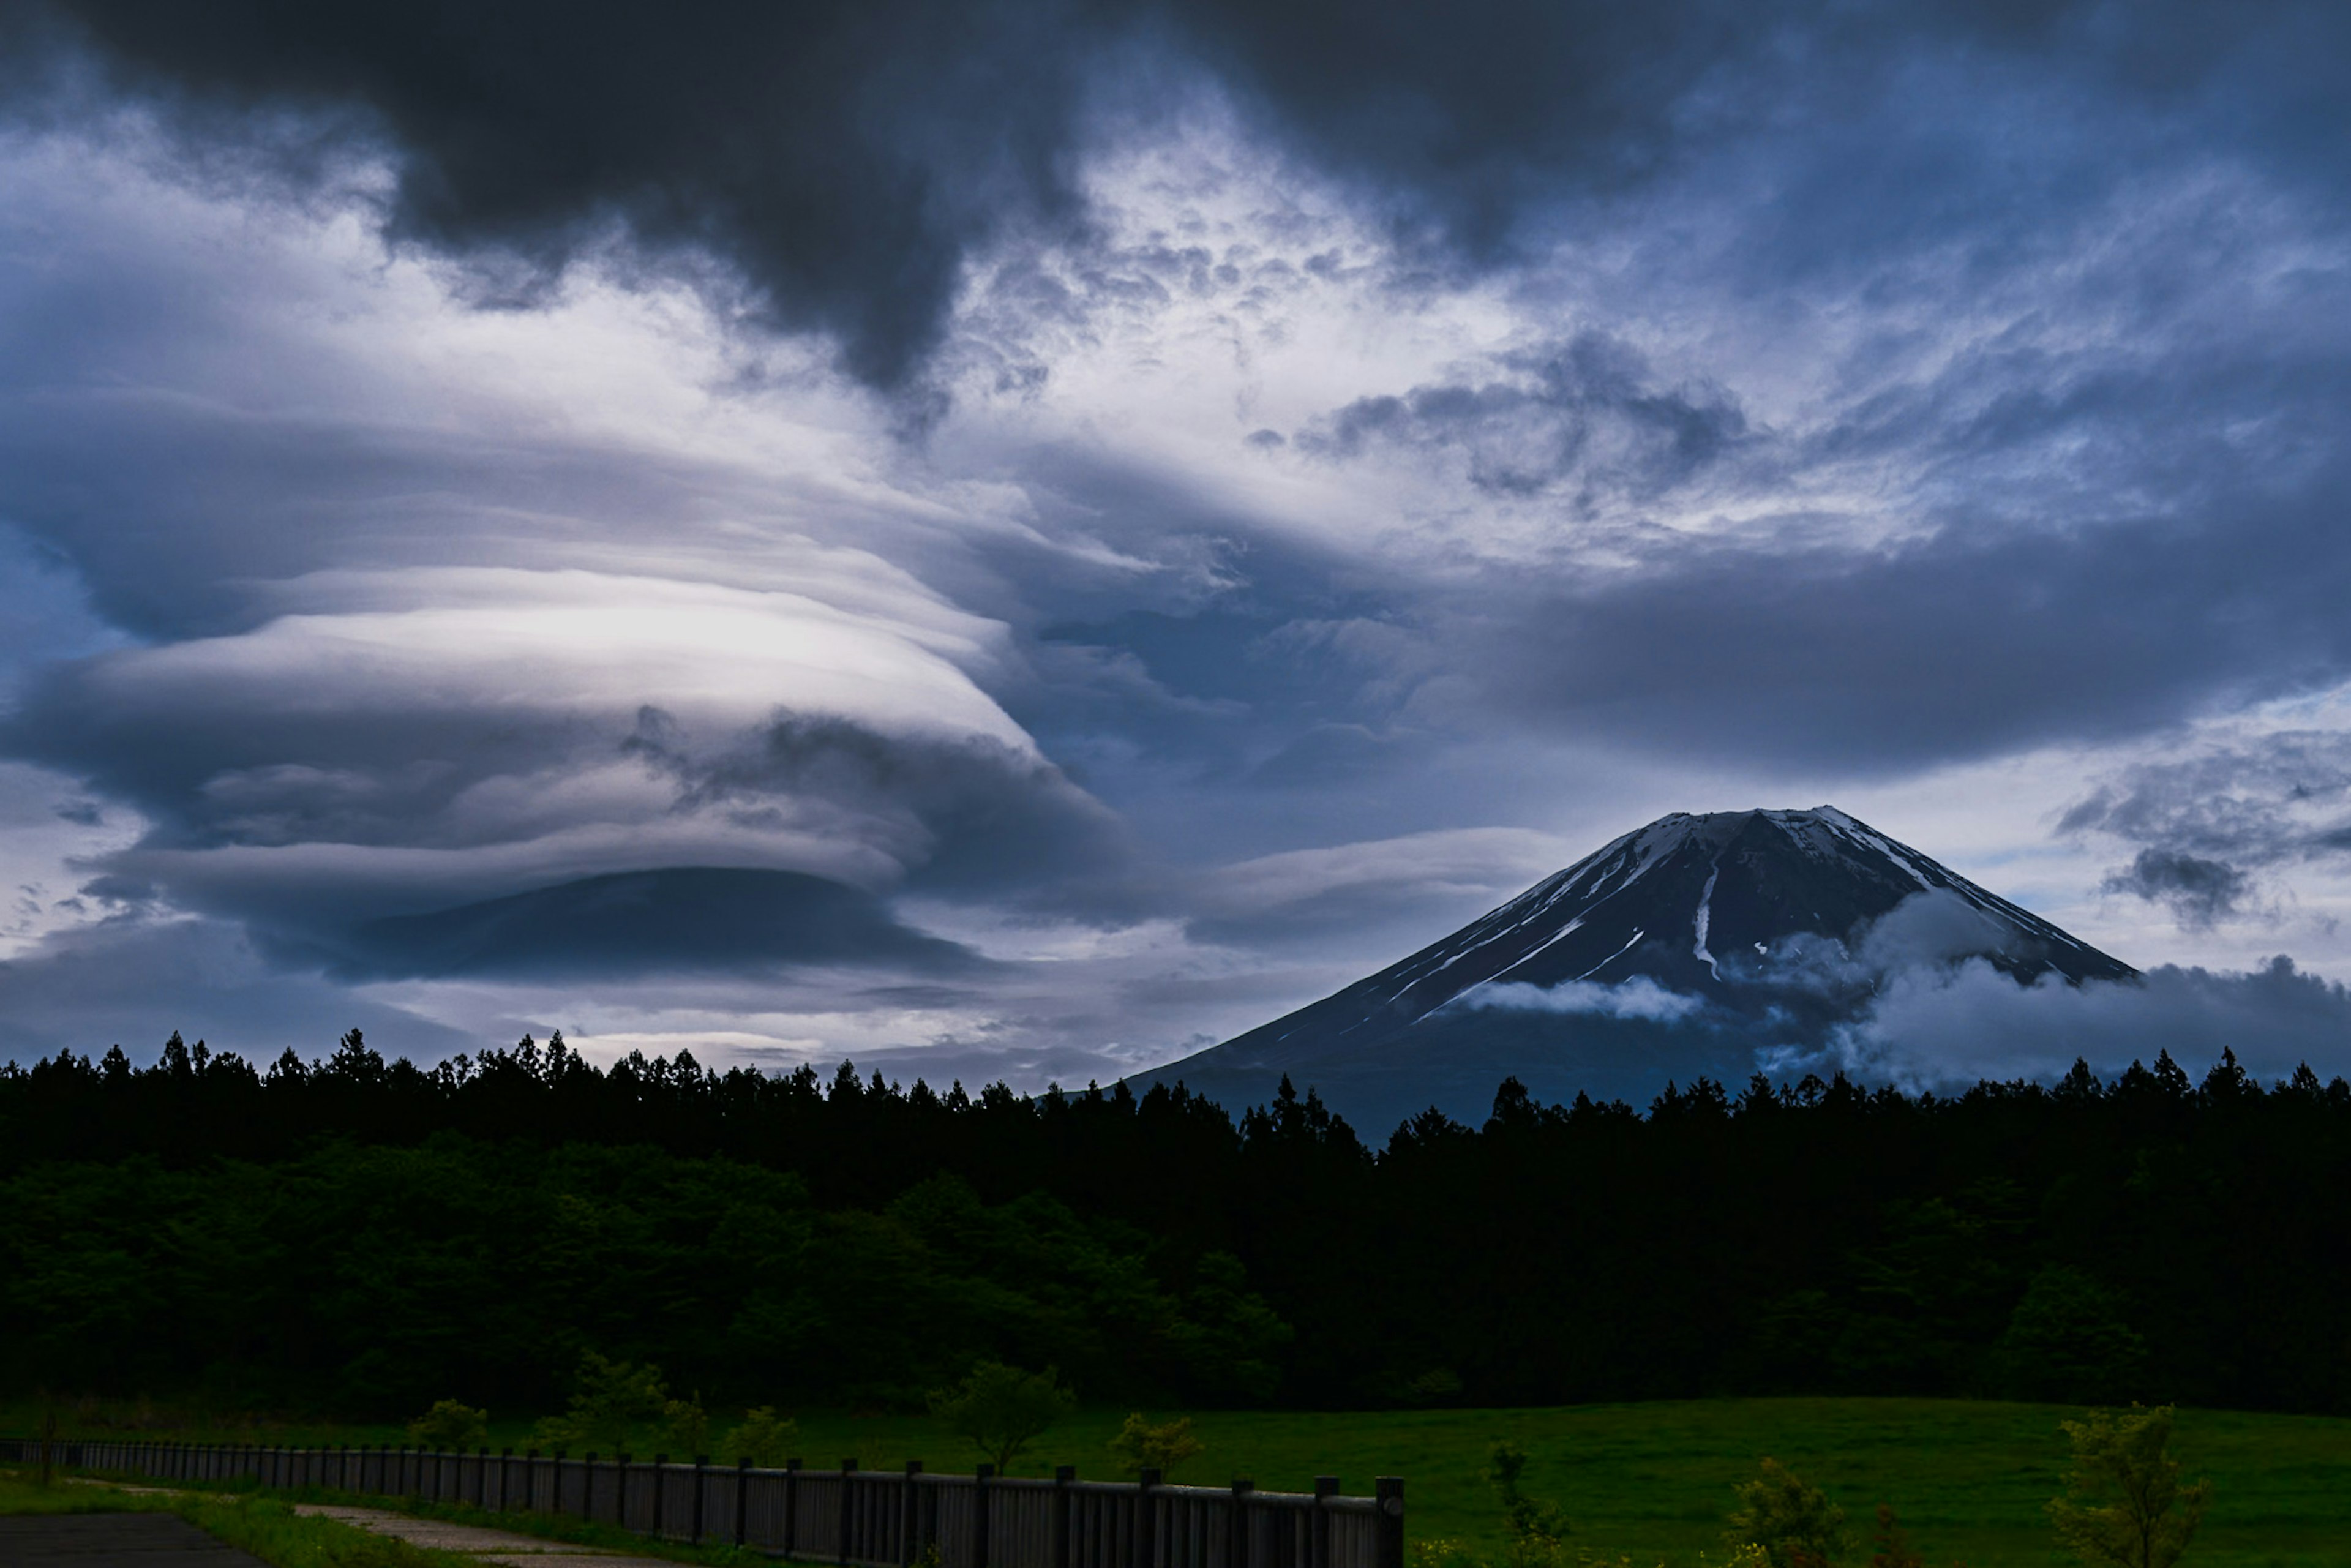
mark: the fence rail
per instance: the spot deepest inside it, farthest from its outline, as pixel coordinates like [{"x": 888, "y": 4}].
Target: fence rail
[{"x": 852, "y": 1517}]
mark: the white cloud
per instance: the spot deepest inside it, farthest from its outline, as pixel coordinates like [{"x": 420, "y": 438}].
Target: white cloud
[{"x": 1638, "y": 998}]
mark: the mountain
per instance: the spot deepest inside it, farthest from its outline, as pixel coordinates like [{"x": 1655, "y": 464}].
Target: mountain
[{"x": 1697, "y": 945}]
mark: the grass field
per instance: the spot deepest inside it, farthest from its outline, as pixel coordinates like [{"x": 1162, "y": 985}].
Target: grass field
[{"x": 1652, "y": 1482}]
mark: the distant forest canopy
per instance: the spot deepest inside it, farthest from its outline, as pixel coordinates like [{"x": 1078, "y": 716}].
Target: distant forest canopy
[{"x": 356, "y": 1237}]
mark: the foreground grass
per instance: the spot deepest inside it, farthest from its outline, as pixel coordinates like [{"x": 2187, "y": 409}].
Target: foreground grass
[
  {"x": 265, "y": 1527},
  {"x": 1652, "y": 1482}
]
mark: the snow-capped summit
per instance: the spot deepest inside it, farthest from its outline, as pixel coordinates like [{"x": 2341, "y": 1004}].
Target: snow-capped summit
[{"x": 1700, "y": 937}]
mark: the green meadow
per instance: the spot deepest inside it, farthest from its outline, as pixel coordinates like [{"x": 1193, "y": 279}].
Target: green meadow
[{"x": 1651, "y": 1481}]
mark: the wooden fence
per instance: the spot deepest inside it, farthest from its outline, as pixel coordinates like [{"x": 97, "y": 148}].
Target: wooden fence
[{"x": 860, "y": 1519}]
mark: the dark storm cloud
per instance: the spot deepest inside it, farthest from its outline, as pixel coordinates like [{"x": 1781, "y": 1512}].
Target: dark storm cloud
[
  {"x": 845, "y": 157},
  {"x": 842, "y": 154}
]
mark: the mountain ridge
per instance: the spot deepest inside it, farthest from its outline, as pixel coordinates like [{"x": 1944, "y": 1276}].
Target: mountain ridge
[{"x": 1689, "y": 942}]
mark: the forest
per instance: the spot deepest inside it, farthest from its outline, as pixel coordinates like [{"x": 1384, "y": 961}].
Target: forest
[{"x": 361, "y": 1237}]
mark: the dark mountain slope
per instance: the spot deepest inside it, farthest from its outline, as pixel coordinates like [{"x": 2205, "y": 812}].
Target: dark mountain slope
[{"x": 1678, "y": 949}]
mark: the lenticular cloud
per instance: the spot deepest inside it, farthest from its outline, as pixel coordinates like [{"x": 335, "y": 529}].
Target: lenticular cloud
[{"x": 405, "y": 742}]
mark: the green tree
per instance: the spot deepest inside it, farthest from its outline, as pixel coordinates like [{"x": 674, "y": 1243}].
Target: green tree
[
  {"x": 2067, "y": 1341},
  {"x": 611, "y": 1402},
  {"x": 761, "y": 1436},
  {"x": 1537, "y": 1529},
  {"x": 2122, "y": 1506},
  {"x": 450, "y": 1427},
  {"x": 1002, "y": 1409},
  {"x": 1792, "y": 1521},
  {"x": 1141, "y": 1446}
]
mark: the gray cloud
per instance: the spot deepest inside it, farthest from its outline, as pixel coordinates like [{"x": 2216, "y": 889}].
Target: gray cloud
[
  {"x": 844, "y": 158},
  {"x": 2201, "y": 892},
  {"x": 1578, "y": 421},
  {"x": 133, "y": 982},
  {"x": 676, "y": 920},
  {"x": 1941, "y": 1028},
  {"x": 2212, "y": 821}
]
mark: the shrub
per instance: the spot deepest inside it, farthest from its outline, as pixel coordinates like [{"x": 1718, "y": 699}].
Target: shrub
[
  {"x": 611, "y": 1402},
  {"x": 1140, "y": 1445},
  {"x": 762, "y": 1437},
  {"x": 1793, "y": 1521},
  {"x": 449, "y": 1426}
]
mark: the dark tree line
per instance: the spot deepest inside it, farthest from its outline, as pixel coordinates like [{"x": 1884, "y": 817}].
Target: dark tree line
[{"x": 359, "y": 1234}]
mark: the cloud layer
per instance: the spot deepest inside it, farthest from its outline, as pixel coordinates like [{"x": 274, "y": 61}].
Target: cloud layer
[{"x": 1053, "y": 533}]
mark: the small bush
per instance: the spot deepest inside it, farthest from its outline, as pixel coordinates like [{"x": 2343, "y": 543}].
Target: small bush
[
  {"x": 1141, "y": 1446},
  {"x": 611, "y": 1402},
  {"x": 1793, "y": 1522},
  {"x": 761, "y": 1436},
  {"x": 450, "y": 1427}
]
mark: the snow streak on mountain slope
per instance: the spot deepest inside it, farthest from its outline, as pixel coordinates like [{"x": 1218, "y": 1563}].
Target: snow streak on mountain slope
[{"x": 1763, "y": 921}]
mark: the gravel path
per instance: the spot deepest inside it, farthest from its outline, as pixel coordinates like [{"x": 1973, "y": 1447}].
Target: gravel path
[{"x": 499, "y": 1546}]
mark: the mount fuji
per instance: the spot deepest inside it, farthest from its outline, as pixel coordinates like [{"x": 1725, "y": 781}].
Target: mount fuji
[{"x": 1711, "y": 945}]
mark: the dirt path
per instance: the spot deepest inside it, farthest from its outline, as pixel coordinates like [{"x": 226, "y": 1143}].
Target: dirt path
[
  {"x": 503, "y": 1547},
  {"x": 506, "y": 1548}
]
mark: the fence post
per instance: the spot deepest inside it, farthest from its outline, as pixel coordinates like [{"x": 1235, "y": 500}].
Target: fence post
[
  {"x": 909, "y": 1513},
  {"x": 1237, "y": 1526},
  {"x": 1143, "y": 1546},
  {"x": 1389, "y": 1552},
  {"x": 743, "y": 1499},
  {"x": 1064, "y": 1477},
  {"x": 980, "y": 1475},
  {"x": 701, "y": 1465},
  {"x": 661, "y": 1484},
  {"x": 1319, "y": 1541},
  {"x": 621, "y": 1490},
  {"x": 791, "y": 1540},
  {"x": 848, "y": 1484}
]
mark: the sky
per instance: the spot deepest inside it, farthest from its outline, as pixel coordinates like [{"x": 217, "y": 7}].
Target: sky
[{"x": 1020, "y": 540}]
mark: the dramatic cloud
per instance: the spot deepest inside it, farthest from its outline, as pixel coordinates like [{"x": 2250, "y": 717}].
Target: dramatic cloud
[
  {"x": 429, "y": 740},
  {"x": 1053, "y": 532}
]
